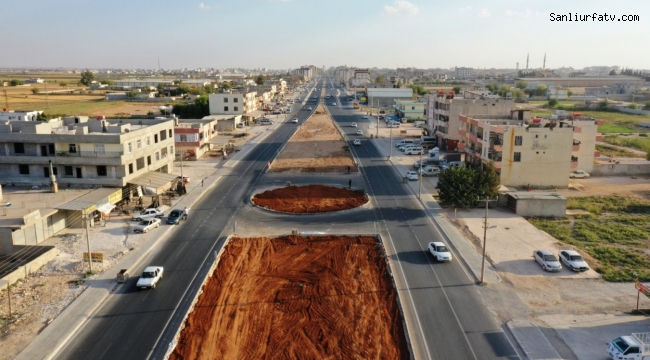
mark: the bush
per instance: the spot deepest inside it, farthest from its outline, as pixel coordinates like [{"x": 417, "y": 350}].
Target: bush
[{"x": 552, "y": 103}]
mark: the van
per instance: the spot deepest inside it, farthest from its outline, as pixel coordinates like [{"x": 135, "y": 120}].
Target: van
[
  {"x": 432, "y": 139},
  {"x": 392, "y": 124},
  {"x": 266, "y": 122},
  {"x": 418, "y": 123},
  {"x": 404, "y": 142}
]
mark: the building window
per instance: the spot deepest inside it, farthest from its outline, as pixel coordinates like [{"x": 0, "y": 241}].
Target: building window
[
  {"x": 67, "y": 170},
  {"x": 236, "y": 108},
  {"x": 23, "y": 169},
  {"x": 101, "y": 170},
  {"x": 155, "y": 138},
  {"x": 157, "y": 156},
  {"x": 148, "y": 140},
  {"x": 139, "y": 144},
  {"x": 163, "y": 135},
  {"x": 412, "y": 107},
  {"x": 100, "y": 149},
  {"x": 129, "y": 148},
  {"x": 517, "y": 157},
  {"x": 139, "y": 163},
  {"x": 519, "y": 140},
  {"x": 171, "y": 133},
  {"x": 72, "y": 148},
  {"x": 171, "y": 149},
  {"x": 183, "y": 137},
  {"x": 149, "y": 160},
  {"x": 130, "y": 168},
  {"x": 235, "y": 100},
  {"x": 19, "y": 148},
  {"x": 225, "y": 100},
  {"x": 225, "y": 108}
]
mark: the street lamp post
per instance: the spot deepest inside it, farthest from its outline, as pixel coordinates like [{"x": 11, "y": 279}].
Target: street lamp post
[
  {"x": 487, "y": 201},
  {"x": 90, "y": 258},
  {"x": 420, "y": 171}
]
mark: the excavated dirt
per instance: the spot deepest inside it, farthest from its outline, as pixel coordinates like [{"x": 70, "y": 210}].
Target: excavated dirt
[
  {"x": 317, "y": 147},
  {"x": 293, "y": 297},
  {"x": 310, "y": 199}
]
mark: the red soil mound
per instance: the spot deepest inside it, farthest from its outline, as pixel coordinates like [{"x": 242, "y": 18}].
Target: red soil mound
[
  {"x": 310, "y": 199},
  {"x": 317, "y": 297}
]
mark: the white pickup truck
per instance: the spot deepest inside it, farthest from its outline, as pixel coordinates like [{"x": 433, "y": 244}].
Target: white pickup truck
[
  {"x": 634, "y": 347},
  {"x": 146, "y": 225},
  {"x": 150, "y": 277},
  {"x": 148, "y": 213}
]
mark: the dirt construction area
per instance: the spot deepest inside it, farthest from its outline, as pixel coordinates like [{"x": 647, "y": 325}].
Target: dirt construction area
[
  {"x": 310, "y": 199},
  {"x": 297, "y": 297},
  {"x": 317, "y": 147}
]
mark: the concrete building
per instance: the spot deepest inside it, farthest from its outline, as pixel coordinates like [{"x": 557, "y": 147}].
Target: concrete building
[
  {"x": 536, "y": 152},
  {"x": 34, "y": 81},
  {"x": 233, "y": 103},
  {"x": 96, "y": 152},
  {"x": 362, "y": 74},
  {"x": 409, "y": 109},
  {"x": 20, "y": 115},
  {"x": 464, "y": 72},
  {"x": 529, "y": 204},
  {"x": 192, "y": 137},
  {"x": 142, "y": 83},
  {"x": 624, "y": 84},
  {"x": 382, "y": 97},
  {"x": 343, "y": 74},
  {"x": 442, "y": 113}
]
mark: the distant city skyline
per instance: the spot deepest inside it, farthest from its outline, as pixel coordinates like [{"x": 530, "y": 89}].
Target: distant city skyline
[{"x": 283, "y": 34}]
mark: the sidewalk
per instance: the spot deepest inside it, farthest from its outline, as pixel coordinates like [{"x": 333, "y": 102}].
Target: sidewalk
[{"x": 52, "y": 339}]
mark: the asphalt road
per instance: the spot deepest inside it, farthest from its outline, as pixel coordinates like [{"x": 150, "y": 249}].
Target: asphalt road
[
  {"x": 132, "y": 322},
  {"x": 447, "y": 315}
]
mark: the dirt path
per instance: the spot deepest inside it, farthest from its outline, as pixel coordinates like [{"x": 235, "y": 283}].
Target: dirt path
[
  {"x": 296, "y": 298},
  {"x": 310, "y": 199},
  {"x": 317, "y": 146}
]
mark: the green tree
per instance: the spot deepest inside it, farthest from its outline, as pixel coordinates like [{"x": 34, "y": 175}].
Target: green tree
[
  {"x": 182, "y": 89},
  {"x": 209, "y": 89},
  {"x": 494, "y": 88},
  {"x": 108, "y": 82},
  {"x": 603, "y": 105},
  {"x": 488, "y": 181},
  {"x": 504, "y": 90},
  {"x": 647, "y": 106},
  {"x": 196, "y": 110},
  {"x": 87, "y": 77},
  {"x": 457, "y": 187},
  {"x": 131, "y": 94},
  {"x": 552, "y": 103},
  {"x": 457, "y": 89},
  {"x": 259, "y": 80},
  {"x": 541, "y": 90},
  {"x": 160, "y": 87},
  {"x": 15, "y": 82},
  {"x": 517, "y": 93},
  {"x": 226, "y": 85},
  {"x": 418, "y": 89},
  {"x": 569, "y": 93},
  {"x": 633, "y": 106},
  {"x": 521, "y": 85},
  {"x": 63, "y": 84},
  {"x": 35, "y": 91},
  {"x": 613, "y": 72},
  {"x": 380, "y": 79}
]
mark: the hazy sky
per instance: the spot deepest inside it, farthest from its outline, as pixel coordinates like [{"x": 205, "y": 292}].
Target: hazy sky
[{"x": 289, "y": 33}]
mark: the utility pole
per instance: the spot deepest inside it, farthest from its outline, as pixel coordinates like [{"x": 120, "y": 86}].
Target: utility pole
[
  {"x": 391, "y": 143},
  {"x": 487, "y": 201},
  {"x": 6, "y": 100},
  {"x": 47, "y": 95},
  {"x": 90, "y": 258},
  {"x": 421, "y": 167}
]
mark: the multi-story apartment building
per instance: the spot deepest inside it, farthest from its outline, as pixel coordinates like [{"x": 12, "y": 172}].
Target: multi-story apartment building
[
  {"x": 442, "y": 113},
  {"x": 192, "y": 137},
  {"x": 536, "y": 152},
  {"x": 233, "y": 103},
  {"x": 409, "y": 109},
  {"x": 88, "y": 152},
  {"x": 464, "y": 72}
]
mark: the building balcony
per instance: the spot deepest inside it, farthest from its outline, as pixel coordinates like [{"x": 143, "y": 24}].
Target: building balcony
[
  {"x": 105, "y": 154},
  {"x": 461, "y": 147},
  {"x": 473, "y": 137},
  {"x": 190, "y": 143},
  {"x": 462, "y": 132},
  {"x": 574, "y": 162},
  {"x": 495, "y": 156},
  {"x": 599, "y": 138},
  {"x": 575, "y": 147},
  {"x": 463, "y": 118}
]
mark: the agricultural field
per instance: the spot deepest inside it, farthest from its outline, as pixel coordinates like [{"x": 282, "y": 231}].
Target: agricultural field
[
  {"x": 612, "y": 151},
  {"x": 614, "y": 230},
  {"x": 642, "y": 142},
  {"x": 614, "y": 122}
]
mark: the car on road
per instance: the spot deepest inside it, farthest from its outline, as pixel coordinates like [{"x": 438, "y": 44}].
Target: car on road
[
  {"x": 440, "y": 251},
  {"x": 150, "y": 277},
  {"x": 294, "y": 120},
  {"x": 356, "y": 142},
  {"x": 176, "y": 215},
  {"x": 353, "y": 124},
  {"x": 547, "y": 260},
  {"x": 430, "y": 170},
  {"x": 365, "y": 116},
  {"x": 411, "y": 175},
  {"x": 146, "y": 224},
  {"x": 359, "y": 132},
  {"x": 148, "y": 213},
  {"x": 573, "y": 260},
  {"x": 413, "y": 150},
  {"x": 309, "y": 108},
  {"x": 579, "y": 174}
]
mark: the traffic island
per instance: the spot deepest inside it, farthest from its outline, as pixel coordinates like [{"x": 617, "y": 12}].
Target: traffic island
[
  {"x": 298, "y": 297},
  {"x": 310, "y": 199}
]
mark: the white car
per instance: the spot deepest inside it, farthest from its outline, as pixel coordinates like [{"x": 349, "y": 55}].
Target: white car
[
  {"x": 333, "y": 104},
  {"x": 573, "y": 260},
  {"x": 547, "y": 260},
  {"x": 294, "y": 120},
  {"x": 579, "y": 174},
  {"x": 308, "y": 108},
  {"x": 150, "y": 277},
  {"x": 412, "y": 175},
  {"x": 147, "y": 213},
  {"x": 434, "y": 151},
  {"x": 147, "y": 224},
  {"x": 430, "y": 170},
  {"x": 440, "y": 251},
  {"x": 359, "y": 132},
  {"x": 414, "y": 150},
  {"x": 356, "y": 142},
  {"x": 365, "y": 116},
  {"x": 353, "y": 124}
]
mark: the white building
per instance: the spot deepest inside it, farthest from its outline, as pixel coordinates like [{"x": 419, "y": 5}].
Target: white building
[
  {"x": 233, "y": 103},
  {"x": 464, "y": 72},
  {"x": 20, "y": 115}
]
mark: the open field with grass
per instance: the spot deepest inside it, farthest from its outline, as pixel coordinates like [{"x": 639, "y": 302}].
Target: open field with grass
[
  {"x": 615, "y": 122},
  {"x": 611, "y": 151},
  {"x": 615, "y": 232},
  {"x": 640, "y": 143}
]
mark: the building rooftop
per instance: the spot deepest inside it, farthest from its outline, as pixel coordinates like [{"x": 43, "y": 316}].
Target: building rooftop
[
  {"x": 609, "y": 77},
  {"x": 529, "y": 195}
]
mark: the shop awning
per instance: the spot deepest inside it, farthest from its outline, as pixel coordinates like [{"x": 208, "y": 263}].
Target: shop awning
[
  {"x": 153, "y": 179},
  {"x": 89, "y": 201},
  {"x": 106, "y": 208}
]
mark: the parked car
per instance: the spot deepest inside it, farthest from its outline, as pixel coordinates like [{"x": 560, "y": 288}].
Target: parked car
[
  {"x": 393, "y": 124},
  {"x": 451, "y": 164},
  {"x": 294, "y": 120},
  {"x": 147, "y": 213},
  {"x": 353, "y": 124},
  {"x": 365, "y": 116},
  {"x": 440, "y": 251},
  {"x": 359, "y": 132},
  {"x": 413, "y": 150},
  {"x": 573, "y": 260},
  {"x": 411, "y": 175},
  {"x": 430, "y": 170},
  {"x": 404, "y": 142},
  {"x": 579, "y": 174},
  {"x": 356, "y": 142},
  {"x": 434, "y": 151},
  {"x": 547, "y": 260},
  {"x": 150, "y": 277},
  {"x": 176, "y": 215},
  {"x": 146, "y": 225}
]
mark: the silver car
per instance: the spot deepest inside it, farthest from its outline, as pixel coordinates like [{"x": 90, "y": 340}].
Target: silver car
[
  {"x": 573, "y": 260},
  {"x": 547, "y": 260}
]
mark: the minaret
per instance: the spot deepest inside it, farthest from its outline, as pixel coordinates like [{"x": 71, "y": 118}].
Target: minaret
[
  {"x": 544, "y": 66},
  {"x": 527, "y": 58}
]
